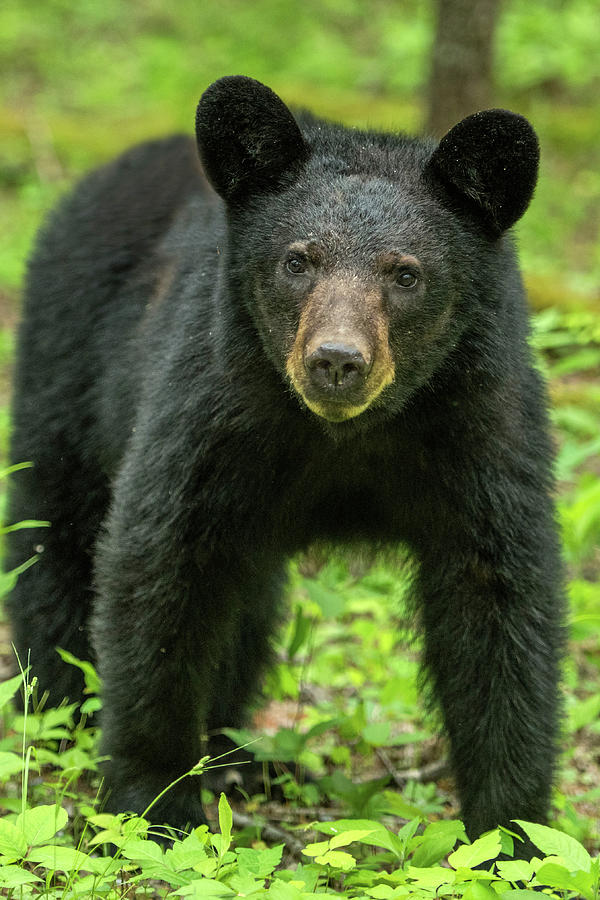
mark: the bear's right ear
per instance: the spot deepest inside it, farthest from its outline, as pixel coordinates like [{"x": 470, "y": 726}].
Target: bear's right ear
[
  {"x": 248, "y": 139},
  {"x": 488, "y": 165}
]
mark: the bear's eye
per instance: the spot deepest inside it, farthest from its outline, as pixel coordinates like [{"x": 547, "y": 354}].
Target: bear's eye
[
  {"x": 296, "y": 265},
  {"x": 406, "y": 279}
]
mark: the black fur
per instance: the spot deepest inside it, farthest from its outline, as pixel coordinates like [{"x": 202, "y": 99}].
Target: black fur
[{"x": 173, "y": 456}]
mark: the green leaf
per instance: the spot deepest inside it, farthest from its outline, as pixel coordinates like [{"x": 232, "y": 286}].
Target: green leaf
[
  {"x": 330, "y": 602},
  {"x": 348, "y": 837},
  {"x": 279, "y": 890},
  {"x": 554, "y": 843},
  {"x": 397, "y": 805},
  {"x": 9, "y": 688},
  {"x": 432, "y": 850},
  {"x": 186, "y": 854},
  {"x": 41, "y": 823},
  {"x": 556, "y": 876},
  {"x": 431, "y": 877},
  {"x": 316, "y": 849},
  {"x": 470, "y": 855},
  {"x": 521, "y": 894},
  {"x": 142, "y": 851},
  {"x": 225, "y": 823},
  {"x": 63, "y": 858},
  {"x": 515, "y": 870},
  {"x": 301, "y": 632},
  {"x": 10, "y": 764},
  {"x": 338, "y": 859},
  {"x": 92, "y": 680},
  {"x": 377, "y": 734},
  {"x": 376, "y": 834},
  {"x": 12, "y": 840},
  {"x": 205, "y": 888},
  {"x": 383, "y": 892},
  {"x": 26, "y": 523},
  {"x": 479, "y": 891},
  {"x": 13, "y": 876},
  {"x": 15, "y": 468},
  {"x": 438, "y": 839},
  {"x": 259, "y": 863}
]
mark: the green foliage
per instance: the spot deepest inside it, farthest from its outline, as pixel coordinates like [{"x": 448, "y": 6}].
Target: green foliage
[
  {"x": 559, "y": 32},
  {"x": 361, "y": 858},
  {"x": 84, "y": 80}
]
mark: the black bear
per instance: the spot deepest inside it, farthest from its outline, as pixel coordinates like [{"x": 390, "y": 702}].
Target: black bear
[{"x": 312, "y": 334}]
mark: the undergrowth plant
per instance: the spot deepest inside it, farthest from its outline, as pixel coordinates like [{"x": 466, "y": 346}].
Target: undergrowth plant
[{"x": 115, "y": 856}]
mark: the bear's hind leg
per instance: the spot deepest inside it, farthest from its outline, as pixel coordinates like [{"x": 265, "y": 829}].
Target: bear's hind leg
[
  {"x": 49, "y": 606},
  {"x": 245, "y": 661}
]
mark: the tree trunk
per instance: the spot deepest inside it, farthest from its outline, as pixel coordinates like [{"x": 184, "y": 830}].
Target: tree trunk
[{"x": 461, "y": 80}]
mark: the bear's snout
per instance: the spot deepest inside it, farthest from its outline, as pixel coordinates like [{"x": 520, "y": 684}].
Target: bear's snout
[{"x": 337, "y": 366}]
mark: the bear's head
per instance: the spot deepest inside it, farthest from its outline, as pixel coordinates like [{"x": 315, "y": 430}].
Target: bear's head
[{"x": 363, "y": 258}]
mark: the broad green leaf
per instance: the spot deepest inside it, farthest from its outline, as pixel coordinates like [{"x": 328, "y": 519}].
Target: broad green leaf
[
  {"x": 479, "y": 891},
  {"x": 10, "y": 763},
  {"x": 259, "y": 863},
  {"x": 145, "y": 851},
  {"x": 338, "y": 859},
  {"x": 12, "y": 840},
  {"x": 554, "y": 843},
  {"x": 13, "y": 876},
  {"x": 470, "y": 855},
  {"x": 205, "y": 888},
  {"x": 376, "y": 833},
  {"x": 64, "y": 858},
  {"x": 436, "y": 843},
  {"x": 186, "y": 854},
  {"x": 281, "y": 890},
  {"x": 245, "y": 883},
  {"x": 431, "y": 877},
  {"x": 316, "y": 849},
  {"x": 40, "y": 824},
  {"x": 515, "y": 870},
  {"x": 384, "y": 892},
  {"x": 396, "y": 805},
  {"x": 9, "y": 688},
  {"x": 432, "y": 850},
  {"x": 135, "y": 825},
  {"x": 348, "y": 837},
  {"x": 556, "y": 876}
]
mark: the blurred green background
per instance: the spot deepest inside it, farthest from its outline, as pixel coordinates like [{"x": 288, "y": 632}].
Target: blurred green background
[{"x": 82, "y": 80}]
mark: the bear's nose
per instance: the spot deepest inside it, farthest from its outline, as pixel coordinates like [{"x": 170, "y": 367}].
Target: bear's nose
[{"x": 337, "y": 365}]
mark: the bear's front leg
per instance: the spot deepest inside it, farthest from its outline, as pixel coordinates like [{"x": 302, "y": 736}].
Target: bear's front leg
[
  {"x": 177, "y": 577},
  {"x": 492, "y": 608},
  {"x": 156, "y": 670}
]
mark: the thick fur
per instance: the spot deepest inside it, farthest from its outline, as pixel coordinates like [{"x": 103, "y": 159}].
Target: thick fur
[{"x": 181, "y": 469}]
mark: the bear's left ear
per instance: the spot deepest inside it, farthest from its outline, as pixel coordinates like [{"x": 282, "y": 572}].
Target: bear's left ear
[
  {"x": 248, "y": 139},
  {"x": 489, "y": 163}
]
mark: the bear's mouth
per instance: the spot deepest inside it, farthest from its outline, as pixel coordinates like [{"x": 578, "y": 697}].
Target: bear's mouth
[
  {"x": 334, "y": 411},
  {"x": 335, "y": 404}
]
